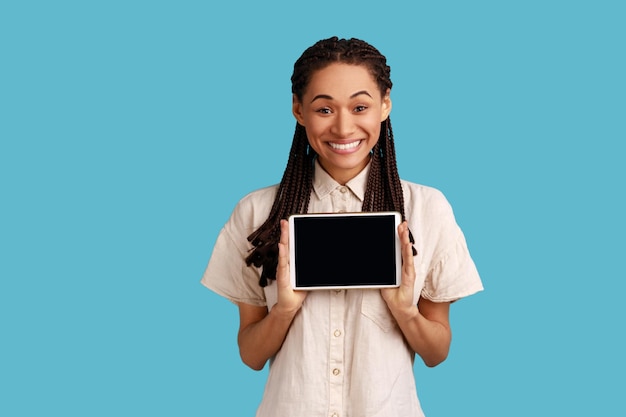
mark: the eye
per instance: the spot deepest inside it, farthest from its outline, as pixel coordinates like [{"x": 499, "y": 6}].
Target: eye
[
  {"x": 324, "y": 110},
  {"x": 359, "y": 109}
]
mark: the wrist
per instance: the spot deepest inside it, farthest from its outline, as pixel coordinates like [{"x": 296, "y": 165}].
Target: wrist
[
  {"x": 405, "y": 314},
  {"x": 283, "y": 313}
]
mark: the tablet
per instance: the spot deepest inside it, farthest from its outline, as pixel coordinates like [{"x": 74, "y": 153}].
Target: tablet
[{"x": 344, "y": 250}]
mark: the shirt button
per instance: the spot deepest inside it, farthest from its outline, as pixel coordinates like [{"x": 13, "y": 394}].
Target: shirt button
[
  {"x": 343, "y": 190},
  {"x": 336, "y": 371},
  {"x": 337, "y": 333}
]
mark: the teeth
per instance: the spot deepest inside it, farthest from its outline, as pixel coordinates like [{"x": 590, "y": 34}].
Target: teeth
[{"x": 344, "y": 146}]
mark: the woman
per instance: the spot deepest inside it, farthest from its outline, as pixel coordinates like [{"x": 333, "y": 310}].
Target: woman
[{"x": 347, "y": 352}]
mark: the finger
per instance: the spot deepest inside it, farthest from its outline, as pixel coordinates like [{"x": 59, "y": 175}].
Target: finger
[
  {"x": 284, "y": 232},
  {"x": 407, "y": 249},
  {"x": 283, "y": 252},
  {"x": 403, "y": 233},
  {"x": 283, "y": 244}
]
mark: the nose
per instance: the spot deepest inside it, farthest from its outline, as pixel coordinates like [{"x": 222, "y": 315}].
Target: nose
[{"x": 343, "y": 125}]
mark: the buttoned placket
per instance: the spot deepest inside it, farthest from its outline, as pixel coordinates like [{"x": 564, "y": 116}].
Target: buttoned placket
[
  {"x": 336, "y": 359},
  {"x": 341, "y": 199}
]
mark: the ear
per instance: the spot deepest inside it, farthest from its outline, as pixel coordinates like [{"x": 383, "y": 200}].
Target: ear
[
  {"x": 386, "y": 105},
  {"x": 296, "y": 109}
]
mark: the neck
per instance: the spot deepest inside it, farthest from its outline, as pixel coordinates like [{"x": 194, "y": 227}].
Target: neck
[{"x": 343, "y": 176}]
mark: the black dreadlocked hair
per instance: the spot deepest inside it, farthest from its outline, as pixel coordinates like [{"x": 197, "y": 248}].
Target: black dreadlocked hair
[{"x": 383, "y": 191}]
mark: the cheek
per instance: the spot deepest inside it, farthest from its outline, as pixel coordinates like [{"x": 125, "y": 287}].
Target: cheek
[
  {"x": 314, "y": 130},
  {"x": 313, "y": 138},
  {"x": 373, "y": 126}
]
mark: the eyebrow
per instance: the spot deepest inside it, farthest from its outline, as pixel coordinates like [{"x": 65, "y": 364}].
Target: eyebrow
[{"x": 327, "y": 97}]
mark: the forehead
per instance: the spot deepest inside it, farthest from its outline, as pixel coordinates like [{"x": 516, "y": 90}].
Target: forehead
[{"x": 339, "y": 80}]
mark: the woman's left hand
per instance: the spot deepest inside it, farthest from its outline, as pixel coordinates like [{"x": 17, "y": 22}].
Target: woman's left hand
[
  {"x": 400, "y": 300},
  {"x": 427, "y": 328}
]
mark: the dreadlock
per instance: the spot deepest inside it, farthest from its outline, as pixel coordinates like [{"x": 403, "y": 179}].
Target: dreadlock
[{"x": 383, "y": 191}]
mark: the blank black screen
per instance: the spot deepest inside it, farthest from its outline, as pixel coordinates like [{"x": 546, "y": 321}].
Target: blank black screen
[{"x": 345, "y": 251}]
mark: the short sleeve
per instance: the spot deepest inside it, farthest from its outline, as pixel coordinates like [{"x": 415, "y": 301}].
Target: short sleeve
[
  {"x": 454, "y": 275},
  {"x": 227, "y": 273},
  {"x": 445, "y": 263}
]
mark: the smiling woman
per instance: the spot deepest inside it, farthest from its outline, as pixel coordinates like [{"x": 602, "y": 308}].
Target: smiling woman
[
  {"x": 341, "y": 111},
  {"x": 347, "y": 352}
]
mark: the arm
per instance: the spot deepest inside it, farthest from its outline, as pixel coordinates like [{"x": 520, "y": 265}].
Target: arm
[
  {"x": 426, "y": 327},
  {"x": 261, "y": 334}
]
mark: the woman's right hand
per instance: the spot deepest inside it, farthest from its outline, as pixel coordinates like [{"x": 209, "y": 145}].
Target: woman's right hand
[
  {"x": 261, "y": 333},
  {"x": 289, "y": 301}
]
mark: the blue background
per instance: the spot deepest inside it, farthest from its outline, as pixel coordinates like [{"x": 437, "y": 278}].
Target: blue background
[{"x": 129, "y": 130}]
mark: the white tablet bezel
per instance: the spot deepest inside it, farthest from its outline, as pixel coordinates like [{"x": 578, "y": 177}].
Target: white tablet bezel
[{"x": 292, "y": 250}]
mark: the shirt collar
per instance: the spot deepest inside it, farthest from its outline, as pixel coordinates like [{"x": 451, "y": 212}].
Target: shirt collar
[{"x": 324, "y": 184}]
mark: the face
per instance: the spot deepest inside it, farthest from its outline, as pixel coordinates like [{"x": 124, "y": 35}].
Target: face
[{"x": 341, "y": 110}]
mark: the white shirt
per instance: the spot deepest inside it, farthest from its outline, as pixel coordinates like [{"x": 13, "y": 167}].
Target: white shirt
[{"x": 344, "y": 355}]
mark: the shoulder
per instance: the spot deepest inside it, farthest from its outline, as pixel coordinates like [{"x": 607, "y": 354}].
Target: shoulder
[
  {"x": 424, "y": 199},
  {"x": 259, "y": 197},
  {"x": 430, "y": 216},
  {"x": 252, "y": 210}
]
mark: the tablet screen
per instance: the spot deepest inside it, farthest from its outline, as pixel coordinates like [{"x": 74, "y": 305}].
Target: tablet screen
[{"x": 345, "y": 250}]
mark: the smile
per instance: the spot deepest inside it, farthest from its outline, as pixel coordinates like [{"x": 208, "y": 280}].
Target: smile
[{"x": 345, "y": 146}]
